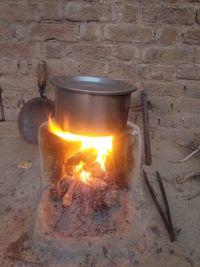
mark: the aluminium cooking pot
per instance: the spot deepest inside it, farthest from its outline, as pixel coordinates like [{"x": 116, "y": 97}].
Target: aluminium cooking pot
[{"x": 91, "y": 105}]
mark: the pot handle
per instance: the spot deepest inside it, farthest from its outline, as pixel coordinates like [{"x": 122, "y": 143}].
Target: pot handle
[{"x": 41, "y": 75}]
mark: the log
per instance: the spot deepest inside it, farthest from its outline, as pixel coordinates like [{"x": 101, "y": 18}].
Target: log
[
  {"x": 68, "y": 197},
  {"x": 87, "y": 156},
  {"x": 98, "y": 184},
  {"x": 94, "y": 169}
]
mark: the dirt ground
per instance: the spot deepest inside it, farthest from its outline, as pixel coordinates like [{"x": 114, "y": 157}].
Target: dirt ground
[{"x": 150, "y": 246}]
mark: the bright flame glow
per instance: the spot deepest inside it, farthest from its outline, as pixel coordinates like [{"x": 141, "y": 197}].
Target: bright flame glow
[
  {"x": 83, "y": 175},
  {"x": 103, "y": 146}
]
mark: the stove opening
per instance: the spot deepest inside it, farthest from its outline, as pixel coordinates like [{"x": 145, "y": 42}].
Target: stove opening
[{"x": 88, "y": 179}]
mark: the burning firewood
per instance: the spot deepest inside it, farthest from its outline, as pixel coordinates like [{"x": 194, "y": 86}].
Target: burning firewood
[
  {"x": 86, "y": 156},
  {"x": 67, "y": 198},
  {"x": 94, "y": 169},
  {"x": 98, "y": 184}
]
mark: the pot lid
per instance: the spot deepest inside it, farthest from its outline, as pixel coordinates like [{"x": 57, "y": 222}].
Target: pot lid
[{"x": 92, "y": 85}]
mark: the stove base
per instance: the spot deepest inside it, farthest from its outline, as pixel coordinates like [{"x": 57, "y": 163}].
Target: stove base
[{"x": 48, "y": 239}]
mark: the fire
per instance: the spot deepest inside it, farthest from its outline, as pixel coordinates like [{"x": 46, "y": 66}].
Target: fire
[
  {"x": 103, "y": 146},
  {"x": 83, "y": 175}
]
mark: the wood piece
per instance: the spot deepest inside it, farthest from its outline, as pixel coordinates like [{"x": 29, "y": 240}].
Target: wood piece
[
  {"x": 180, "y": 179},
  {"x": 68, "y": 197},
  {"x": 147, "y": 144},
  {"x": 63, "y": 184},
  {"x": 95, "y": 169},
  {"x": 98, "y": 184},
  {"x": 86, "y": 156},
  {"x": 187, "y": 157}
]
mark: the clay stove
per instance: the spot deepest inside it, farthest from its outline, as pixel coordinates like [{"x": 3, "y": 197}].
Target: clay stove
[{"x": 88, "y": 182}]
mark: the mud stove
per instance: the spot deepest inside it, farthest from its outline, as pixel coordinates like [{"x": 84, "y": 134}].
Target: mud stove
[{"x": 90, "y": 161}]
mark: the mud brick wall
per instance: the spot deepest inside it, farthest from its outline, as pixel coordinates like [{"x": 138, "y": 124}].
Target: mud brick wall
[{"x": 153, "y": 44}]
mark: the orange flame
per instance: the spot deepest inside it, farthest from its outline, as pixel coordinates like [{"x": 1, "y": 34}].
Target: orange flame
[{"x": 103, "y": 146}]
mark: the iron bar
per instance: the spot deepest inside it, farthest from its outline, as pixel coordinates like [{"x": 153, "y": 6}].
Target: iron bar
[
  {"x": 147, "y": 144},
  {"x": 165, "y": 221}
]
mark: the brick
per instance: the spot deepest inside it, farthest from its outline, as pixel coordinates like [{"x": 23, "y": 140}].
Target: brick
[
  {"x": 198, "y": 16},
  {"x": 19, "y": 49},
  {"x": 192, "y": 89},
  {"x": 171, "y": 15},
  {"x": 91, "y": 32},
  {"x": 12, "y": 105},
  {"x": 21, "y": 31},
  {"x": 128, "y": 33},
  {"x": 188, "y": 72},
  {"x": 128, "y": 13},
  {"x": 4, "y": 10},
  {"x": 6, "y": 31},
  {"x": 11, "y": 114},
  {"x": 52, "y": 10},
  {"x": 18, "y": 82},
  {"x": 153, "y": 121},
  {"x": 168, "y": 35},
  {"x": 191, "y": 121},
  {"x": 54, "y": 49},
  {"x": 82, "y": 11},
  {"x": 160, "y": 104},
  {"x": 168, "y": 55},
  {"x": 28, "y": 66},
  {"x": 12, "y": 102},
  {"x": 128, "y": 52},
  {"x": 20, "y": 10},
  {"x": 122, "y": 71},
  {"x": 87, "y": 52},
  {"x": 63, "y": 32},
  {"x": 24, "y": 66},
  {"x": 164, "y": 88},
  {"x": 192, "y": 36},
  {"x": 178, "y": 135},
  {"x": 197, "y": 56},
  {"x": 63, "y": 66},
  {"x": 170, "y": 120},
  {"x": 91, "y": 67},
  {"x": 8, "y": 66},
  {"x": 157, "y": 72},
  {"x": 187, "y": 105}
]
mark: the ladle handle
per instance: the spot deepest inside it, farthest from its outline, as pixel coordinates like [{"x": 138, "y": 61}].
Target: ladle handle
[{"x": 41, "y": 75}]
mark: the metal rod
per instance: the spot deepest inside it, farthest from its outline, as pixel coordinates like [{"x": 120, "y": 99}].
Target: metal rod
[
  {"x": 147, "y": 144},
  {"x": 166, "y": 223},
  {"x": 2, "y": 116},
  {"x": 165, "y": 199}
]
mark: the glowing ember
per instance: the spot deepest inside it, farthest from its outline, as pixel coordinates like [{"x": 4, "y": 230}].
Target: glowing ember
[{"x": 102, "y": 145}]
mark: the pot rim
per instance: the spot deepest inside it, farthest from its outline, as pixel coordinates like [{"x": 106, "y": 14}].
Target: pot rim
[{"x": 92, "y": 85}]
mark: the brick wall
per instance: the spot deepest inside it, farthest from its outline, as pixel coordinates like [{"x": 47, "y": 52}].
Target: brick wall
[{"x": 151, "y": 43}]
